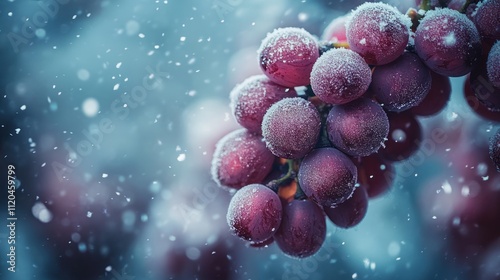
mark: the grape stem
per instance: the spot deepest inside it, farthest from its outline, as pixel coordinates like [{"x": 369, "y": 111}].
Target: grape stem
[
  {"x": 290, "y": 174},
  {"x": 425, "y": 5},
  {"x": 466, "y": 5}
]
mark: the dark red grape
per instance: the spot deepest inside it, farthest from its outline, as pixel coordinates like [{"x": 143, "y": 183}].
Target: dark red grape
[
  {"x": 495, "y": 149},
  {"x": 352, "y": 211},
  {"x": 401, "y": 84},
  {"x": 254, "y": 213},
  {"x": 335, "y": 31},
  {"x": 340, "y": 76},
  {"x": 493, "y": 64},
  {"x": 375, "y": 174},
  {"x": 302, "y": 230},
  {"x": 487, "y": 18},
  {"x": 251, "y": 99},
  {"x": 437, "y": 98},
  {"x": 448, "y": 42},
  {"x": 378, "y": 32},
  {"x": 241, "y": 158},
  {"x": 287, "y": 56},
  {"x": 477, "y": 106},
  {"x": 483, "y": 88},
  {"x": 405, "y": 135},
  {"x": 291, "y": 127},
  {"x": 327, "y": 176},
  {"x": 357, "y": 128}
]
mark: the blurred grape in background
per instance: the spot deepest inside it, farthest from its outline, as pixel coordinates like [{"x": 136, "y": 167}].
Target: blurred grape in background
[{"x": 110, "y": 111}]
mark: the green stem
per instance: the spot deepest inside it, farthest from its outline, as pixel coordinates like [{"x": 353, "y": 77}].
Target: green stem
[
  {"x": 290, "y": 174},
  {"x": 425, "y": 5}
]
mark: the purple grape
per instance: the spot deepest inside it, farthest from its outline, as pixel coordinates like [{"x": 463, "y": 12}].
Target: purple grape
[
  {"x": 436, "y": 99},
  {"x": 493, "y": 64},
  {"x": 291, "y": 127},
  {"x": 448, "y": 42},
  {"x": 352, "y": 211},
  {"x": 241, "y": 158},
  {"x": 287, "y": 56},
  {"x": 495, "y": 149},
  {"x": 484, "y": 89},
  {"x": 357, "y": 128},
  {"x": 251, "y": 99},
  {"x": 476, "y": 105},
  {"x": 254, "y": 213},
  {"x": 405, "y": 136},
  {"x": 378, "y": 32},
  {"x": 302, "y": 230},
  {"x": 375, "y": 174},
  {"x": 327, "y": 176},
  {"x": 340, "y": 76},
  {"x": 487, "y": 18},
  {"x": 401, "y": 84}
]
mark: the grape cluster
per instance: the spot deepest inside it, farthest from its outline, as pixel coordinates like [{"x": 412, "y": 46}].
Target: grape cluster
[{"x": 326, "y": 122}]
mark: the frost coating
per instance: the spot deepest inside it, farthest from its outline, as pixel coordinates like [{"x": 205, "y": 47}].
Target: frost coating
[
  {"x": 493, "y": 65},
  {"x": 254, "y": 213},
  {"x": 251, "y": 99},
  {"x": 486, "y": 17},
  {"x": 340, "y": 76},
  {"x": 287, "y": 56},
  {"x": 241, "y": 158},
  {"x": 291, "y": 127},
  {"x": 378, "y": 32}
]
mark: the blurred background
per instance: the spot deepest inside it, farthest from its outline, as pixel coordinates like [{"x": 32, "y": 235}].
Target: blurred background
[{"x": 110, "y": 110}]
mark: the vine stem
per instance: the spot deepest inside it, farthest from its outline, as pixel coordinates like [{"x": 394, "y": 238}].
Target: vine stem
[{"x": 290, "y": 174}]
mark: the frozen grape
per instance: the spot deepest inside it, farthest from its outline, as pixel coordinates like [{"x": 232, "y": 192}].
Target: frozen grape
[
  {"x": 401, "y": 84},
  {"x": 340, "y": 76},
  {"x": 493, "y": 63},
  {"x": 251, "y": 99},
  {"x": 436, "y": 99},
  {"x": 287, "y": 56},
  {"x": 483, "y": 88},
  {"x": 254, "y": 213},
  {"x": 375, "y": 174},
  {"x": 495, "y": 149},
  {"x": 405, "y": 135},
  {"x": 378, "y": 32},
  {"x": 357, "y": 128},
  {"x": 335, "y": 31},
  {"x": 327, "y": 176},
  {"x": 476, "y": 105},
  {"x": 352, "y": 211},
  {"x": 487, "y": 18},
  {"x": 448, "y": 42},
  {"x": 291, "y": 127},
  {"x": 302, "y": 230},
  {"x": 241, "y": 158}
]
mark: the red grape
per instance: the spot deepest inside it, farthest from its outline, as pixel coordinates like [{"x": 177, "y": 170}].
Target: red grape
[
  {"x": 254, "y": 213},
  {"x": 352, "y": 211},
  {"x": 405, "y": 135},
  {"x": 287, "y": 56},
  {"x": 495, "y": 149},
  {"x": 335, "y": 31},
  {"x": 378, "y": 32},
  {"x": 302, "y": 230},
  {"x": 375, "y": 174},
  {"x": 477, "y": 106},
  {"x": 251, "y": 99},
  {"x": 483, "y": 88},
  {"x": 327, "y": 176},
  {"x": 241, "y": 158},
  {"x": 493, "y": 64},
  {"x": 340, "y": 76},
  {"x": 437, "y": 98},
  {"x": 401, "y": 84},
  {"x": 357, "y": 128},
  {"x": 487, "y": 18},
  {"x": 291, "y": 127},
  {"x": 448, "y": 42}
]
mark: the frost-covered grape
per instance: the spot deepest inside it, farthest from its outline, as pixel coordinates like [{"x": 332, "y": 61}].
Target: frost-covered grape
[
  {"x": 401, "y": 84},
  {"x": 352, "y": 211},
  {"x": 375, "y": 174},
  {"x": 327, "y": 176},
  {"x": 483, "y": 88},
  {"x": 436, "y": 99},
  {"x": 340, "y": 76},
  {"x": 291, "y": 127},
  {"x": 378, "y": 32},
  {"x": 254, "y": 213},
  {"x": 287, "y": 56},
  {"x": 241, "y": 158},
  {"x": 487, "y": 18},
  {"x": 251, "y": 99},
  {"x": 357, "y": 128},
  {"x": 448, "y": 42},
  {"x": 405, "y": 136},
  {"x": 302, "y": 230},
  {"x": 495, "y": 149},
  {"x": 493, "y": 63},
  {"x": 335, "y": 31}
]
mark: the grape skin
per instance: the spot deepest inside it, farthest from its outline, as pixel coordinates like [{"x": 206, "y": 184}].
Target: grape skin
[
  {"x": 405, "y": 136},
  {"x": 352, "y": 211},
  {"x": 495, "y": 149},
  {"x": 335, "y": 32},
  {"x": 486, "y": 17},
  {"x": 302, "y": 230},
  {"x": 437, "y": 98},
  {"x": 327, "y": 176},
  {"x": 241, "y": 158},
  {"x": 493, "y": 65},
  {"x": 254, "y": 213},
  {"x": 375, "y": 174},
  {"x": 291, "y": 127}
]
